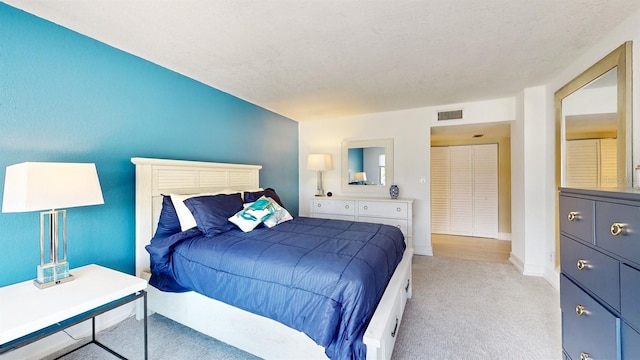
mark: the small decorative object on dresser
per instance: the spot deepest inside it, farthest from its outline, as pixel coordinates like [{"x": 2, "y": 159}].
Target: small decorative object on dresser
[
  {"x": 397, "y": 213},
  {"x": 600, "y": 277},
  {"x": 394, "y": 191}
]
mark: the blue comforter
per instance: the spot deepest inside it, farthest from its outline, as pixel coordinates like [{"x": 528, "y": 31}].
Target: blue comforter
[{"x": 322, "y": 277}]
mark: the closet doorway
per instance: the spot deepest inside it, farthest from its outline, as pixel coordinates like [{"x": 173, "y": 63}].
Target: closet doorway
[{"x": 471, "y": 191}]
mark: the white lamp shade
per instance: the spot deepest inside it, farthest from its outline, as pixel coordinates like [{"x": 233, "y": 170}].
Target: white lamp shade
[
  {"x": 319, "y": 162},
  {"x": 360, "y": 176},
  {"x": 34, "y": 186},
  {"x": 382, "y": 161}
]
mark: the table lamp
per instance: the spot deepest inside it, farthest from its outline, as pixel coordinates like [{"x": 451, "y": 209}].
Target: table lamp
[
  {"x": 49, "y": 187},
  {"x": 320, "y": 163}
]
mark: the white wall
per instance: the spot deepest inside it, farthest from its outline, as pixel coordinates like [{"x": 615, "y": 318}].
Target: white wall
[
  {"x": 626, "y": 31},
  {"x": 532, "y": 153},
  {"x": 411, "y": 131}
]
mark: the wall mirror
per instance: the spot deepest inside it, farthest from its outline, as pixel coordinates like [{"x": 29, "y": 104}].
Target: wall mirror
[
  {"x": 367, "y": 165},
  {"x": 593, "y": 125}
]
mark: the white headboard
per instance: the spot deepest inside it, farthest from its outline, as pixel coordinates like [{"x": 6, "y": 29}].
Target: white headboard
[{"x": 157, "y": 177}]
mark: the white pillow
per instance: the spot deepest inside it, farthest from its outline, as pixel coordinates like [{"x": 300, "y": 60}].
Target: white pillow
[
  {"x": 278, "y": 217},
  {"x": 187, "y": 221}
]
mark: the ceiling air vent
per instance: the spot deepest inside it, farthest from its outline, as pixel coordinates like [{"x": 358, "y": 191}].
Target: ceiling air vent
[{"x": 450, "y": 115}]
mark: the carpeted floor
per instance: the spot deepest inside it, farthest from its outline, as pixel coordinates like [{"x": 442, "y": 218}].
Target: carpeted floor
[{"x": 460, "y": 309}]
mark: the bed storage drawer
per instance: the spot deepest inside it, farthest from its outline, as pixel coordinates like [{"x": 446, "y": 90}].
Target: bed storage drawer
[
  {"x": 382, "y": 332},
  {"x": 594, "y": 270},
  {"x": 618, "y": 229},
  {"x": 587, "y": 327},
  {"x": 576, "y": 218}
]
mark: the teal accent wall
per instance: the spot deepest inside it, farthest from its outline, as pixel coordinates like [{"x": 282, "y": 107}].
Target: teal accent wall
[{"x": 65, "y": 97}]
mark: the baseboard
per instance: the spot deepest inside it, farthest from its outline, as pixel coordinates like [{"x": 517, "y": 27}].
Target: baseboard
[
  {"x": 513, "y": 259},
  {"x": 552, "y": 275},
  {"x": 423, "y": 249},
  {"x": 60, "y": 340},
  {"x": 504, "y": 236}
]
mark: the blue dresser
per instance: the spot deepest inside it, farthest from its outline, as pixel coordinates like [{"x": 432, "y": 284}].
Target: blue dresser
[{"x": 600, "y": 273}]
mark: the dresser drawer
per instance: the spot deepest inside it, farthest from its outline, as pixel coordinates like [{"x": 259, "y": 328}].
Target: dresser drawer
[
  {"x": 337, "y": 207},
  {"x": 576, "y": 218},
  {"x": 630, "y": 295},
  {"x": 383, "y": 209},
  {"x": 594, "y": 332},
  {"x": 596, "y": 271},
  {"x": 630, "y": 343},
  {"x": 618, "y": 229},
  {"x": 403, "y": 225}
]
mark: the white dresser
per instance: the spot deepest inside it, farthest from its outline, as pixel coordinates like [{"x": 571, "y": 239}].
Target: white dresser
[{"x": 395, "y": 212}]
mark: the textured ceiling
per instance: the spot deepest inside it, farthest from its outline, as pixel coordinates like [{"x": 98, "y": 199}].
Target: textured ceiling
[{"x": 313, "y": 59}]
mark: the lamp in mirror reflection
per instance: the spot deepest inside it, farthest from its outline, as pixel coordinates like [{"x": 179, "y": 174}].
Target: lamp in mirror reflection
[
  {"x": 320, "y": 163},
  {"x": 49, "y": 187},
  {"x": 360, "y": 177}
]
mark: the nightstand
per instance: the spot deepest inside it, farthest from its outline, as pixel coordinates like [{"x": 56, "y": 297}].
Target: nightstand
[{"x": 28, "y": 314}]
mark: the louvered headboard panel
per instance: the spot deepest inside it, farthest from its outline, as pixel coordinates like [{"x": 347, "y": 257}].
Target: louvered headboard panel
[{"x": 155, "y": 177}]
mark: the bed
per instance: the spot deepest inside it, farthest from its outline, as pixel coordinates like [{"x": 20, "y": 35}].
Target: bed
[{"x": 244, "y": 329}]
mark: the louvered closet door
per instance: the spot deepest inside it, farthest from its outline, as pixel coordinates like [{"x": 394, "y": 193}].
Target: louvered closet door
[
  {"x": 608, "y": 163},
  {"x": 440, "y": 190},
  {"x": 461, "y": 190},
  {"x": 485, "y": 190},
  {"x": 582, "y": 163}
]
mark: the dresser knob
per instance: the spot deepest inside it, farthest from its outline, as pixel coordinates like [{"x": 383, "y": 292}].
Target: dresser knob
[
  {"x": 581, "y": 310},
  {"x": 398, "y": 209},
  {"x": 584, "y": 356},
  {"x": 581, "y": 264},
  {"x": 366, "y": 207},
  {"x": 616, "y": 229},
  {"x": 319, "y": 205},
  {"x": 573, "y": 216},
  {"x": 346, "y": 206}
]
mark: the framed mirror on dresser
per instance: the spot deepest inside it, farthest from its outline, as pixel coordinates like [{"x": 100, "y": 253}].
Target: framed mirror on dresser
[{"x": 367, "y": 166}]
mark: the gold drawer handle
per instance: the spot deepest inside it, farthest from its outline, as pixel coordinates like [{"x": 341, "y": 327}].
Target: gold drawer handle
[
  {"x": 616, "y": 229},
  {"x": 584, "y": 356},
  {"x": 581, "y": 264},
  {"x": 573, "y": 216},
  {"x": 581, "y": 310}
]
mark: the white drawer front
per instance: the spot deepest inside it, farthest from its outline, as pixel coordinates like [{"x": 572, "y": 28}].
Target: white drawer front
[
  {"x": 383, "y": 209},
  {"x": 403, "y": 225},
  {"x": 334, "y": 216},
  {"x": 338, "y": 207}
]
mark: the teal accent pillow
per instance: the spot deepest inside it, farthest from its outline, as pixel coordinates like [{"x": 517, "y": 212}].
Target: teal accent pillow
[{"x": 253, "y": 214}]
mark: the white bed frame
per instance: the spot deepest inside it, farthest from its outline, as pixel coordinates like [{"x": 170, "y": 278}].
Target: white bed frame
[{"x": 255, "y": 334}]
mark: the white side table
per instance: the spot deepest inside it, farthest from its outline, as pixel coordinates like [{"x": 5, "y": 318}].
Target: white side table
[{"x": 28, "y": 314}]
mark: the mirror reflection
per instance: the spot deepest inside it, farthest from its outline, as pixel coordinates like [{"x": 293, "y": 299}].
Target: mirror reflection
[
  {"x": 593, "y": 125},
  {"x": 590, "y": 133},
  {"x": 367, "y": 166}
]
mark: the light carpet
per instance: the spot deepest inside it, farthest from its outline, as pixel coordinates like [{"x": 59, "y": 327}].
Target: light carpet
[{"x": 460, "y": 310}]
